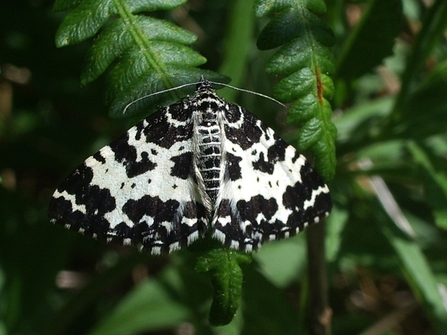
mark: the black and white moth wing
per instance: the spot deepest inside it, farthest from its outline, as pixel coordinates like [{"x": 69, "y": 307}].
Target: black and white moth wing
[
  {"x": 140, "y": 189},
  {"x": 269, "y": 191}
]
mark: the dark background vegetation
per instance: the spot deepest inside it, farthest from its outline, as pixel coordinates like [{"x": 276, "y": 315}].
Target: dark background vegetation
[{"x": 386, "y": 243}]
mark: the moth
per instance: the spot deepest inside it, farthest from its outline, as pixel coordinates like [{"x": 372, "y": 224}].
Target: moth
[{"x": 201, "y": 166}]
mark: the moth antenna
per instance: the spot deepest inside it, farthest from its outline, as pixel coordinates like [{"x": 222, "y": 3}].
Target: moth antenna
[
  {"x": 248, "y": 91},
  {"x": 201, "y": 81},
  {"x": 157, "y": 93}
]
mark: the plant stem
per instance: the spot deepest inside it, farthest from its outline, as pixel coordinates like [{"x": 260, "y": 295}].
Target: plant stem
[{"x": 319, "y": 313}]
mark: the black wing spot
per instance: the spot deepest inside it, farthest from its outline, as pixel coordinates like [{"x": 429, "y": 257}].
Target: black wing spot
[
  {"x": 263, "y": 165},
  {"x": 126, "y": 154},
  {"x": 99, "y": 157},
  {"x": 182, "y": 165},
  {"x": 233, "y": 169}
]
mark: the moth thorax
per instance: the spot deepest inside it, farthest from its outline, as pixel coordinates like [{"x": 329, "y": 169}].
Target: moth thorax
[{"x": 210, "y": 153}]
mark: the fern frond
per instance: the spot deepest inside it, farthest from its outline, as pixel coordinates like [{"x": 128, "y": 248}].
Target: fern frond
[
  {"x": 305, "y": 59},
  {"x": 145, "y": 54}
]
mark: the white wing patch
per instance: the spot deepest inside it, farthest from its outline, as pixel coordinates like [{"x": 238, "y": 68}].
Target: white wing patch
[{"x": 198, "y": 165}]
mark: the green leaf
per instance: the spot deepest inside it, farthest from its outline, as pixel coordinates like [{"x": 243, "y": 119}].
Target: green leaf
[
  {"x": 149, "y": 306},
  {"x": 279, "y": 270},
  {"x": 435, "y": 177},
  {"x": 304, "y": 57},
  {"x": 372, "y": 39},
  {"x": 226, "y": 277},
  {"x": 420, "y": 276}
]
